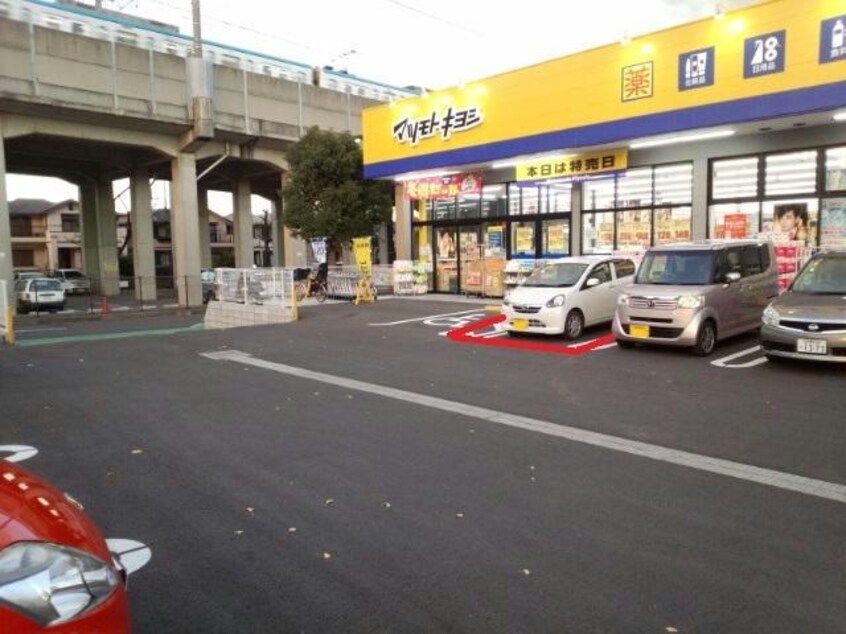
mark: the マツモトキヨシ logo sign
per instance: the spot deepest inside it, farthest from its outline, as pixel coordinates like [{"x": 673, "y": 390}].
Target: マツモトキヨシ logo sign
[{"x": 445, "y": 123}]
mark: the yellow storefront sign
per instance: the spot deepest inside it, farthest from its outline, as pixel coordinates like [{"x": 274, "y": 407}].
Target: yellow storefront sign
[
  {"x": 573, "y": 165},
  {"x": 773, "y": 59}
]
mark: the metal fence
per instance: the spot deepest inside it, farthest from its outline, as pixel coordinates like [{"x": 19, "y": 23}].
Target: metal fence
[
  {"x": 343, "y": 280},
  {"x": 255, "y": 286}
]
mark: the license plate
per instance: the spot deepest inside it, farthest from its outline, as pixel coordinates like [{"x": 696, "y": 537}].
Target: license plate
[
  {"x": 641, "y": 332},
  {"x": 47, "y": 296},
  {"x": 520, "y": 324},
  {"x": 812, "y": 346}
]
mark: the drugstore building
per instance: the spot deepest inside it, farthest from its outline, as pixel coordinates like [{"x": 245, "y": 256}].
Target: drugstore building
[{"x": 707, "y": 130}]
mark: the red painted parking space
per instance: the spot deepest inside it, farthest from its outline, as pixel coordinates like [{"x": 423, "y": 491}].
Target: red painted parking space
[{"x": 470, "y": 334}]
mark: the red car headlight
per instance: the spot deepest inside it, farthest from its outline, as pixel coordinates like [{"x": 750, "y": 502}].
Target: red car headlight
[{"x": 52, "y": 584}]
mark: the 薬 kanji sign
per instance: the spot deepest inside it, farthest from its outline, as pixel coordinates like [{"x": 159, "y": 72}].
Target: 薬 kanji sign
[{"x": 638, "y": 82}]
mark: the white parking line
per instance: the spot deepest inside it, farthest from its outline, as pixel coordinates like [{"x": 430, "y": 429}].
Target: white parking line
[
  {"x": 749, "y": 473},
  {"x": 724, "y": 361},
  {"x": 411, "y": 321}
]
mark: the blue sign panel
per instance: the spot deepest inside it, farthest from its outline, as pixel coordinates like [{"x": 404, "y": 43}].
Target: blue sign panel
[
  {"x": 696, "y": 69},
  {"x": 833, "y": 39},
  {"x": 764, "y": 54}
]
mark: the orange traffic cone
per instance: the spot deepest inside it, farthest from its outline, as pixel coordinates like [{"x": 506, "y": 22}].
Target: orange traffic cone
[{"x": 105, "y": 307}]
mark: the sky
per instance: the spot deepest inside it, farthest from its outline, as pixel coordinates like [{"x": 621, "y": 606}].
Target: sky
[{"x": 428, "y": 43}]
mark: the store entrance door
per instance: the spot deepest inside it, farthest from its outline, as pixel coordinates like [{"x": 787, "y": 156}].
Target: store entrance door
[
  {"x": 471, "y": 260},
  {"x": 446, "y": 264}
]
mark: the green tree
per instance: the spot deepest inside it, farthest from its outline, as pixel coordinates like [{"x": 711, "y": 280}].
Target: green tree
[{"x": 326, "y": 195}]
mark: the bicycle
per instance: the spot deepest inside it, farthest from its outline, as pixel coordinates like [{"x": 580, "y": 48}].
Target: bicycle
[{"x": 316, "y": 285}]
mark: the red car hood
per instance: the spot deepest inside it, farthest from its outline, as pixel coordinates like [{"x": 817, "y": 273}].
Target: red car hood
[{"x": 33, "y": 510}]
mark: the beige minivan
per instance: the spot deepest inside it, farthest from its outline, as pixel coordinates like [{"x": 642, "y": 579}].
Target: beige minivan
[{"x": 697, "y": 293}]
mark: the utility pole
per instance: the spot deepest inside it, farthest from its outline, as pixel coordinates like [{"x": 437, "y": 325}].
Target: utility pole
[
  {"x": 197, "y": 50},
  {"x": 199, "y": 81}
]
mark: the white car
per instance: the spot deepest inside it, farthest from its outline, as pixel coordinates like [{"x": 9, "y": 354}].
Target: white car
[
  {"x": 73, "y": 280},
  {"x": 563, "y": 296},
  {"x": 40, "y": 293}
]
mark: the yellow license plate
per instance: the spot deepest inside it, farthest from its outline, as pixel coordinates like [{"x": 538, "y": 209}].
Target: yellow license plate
[
  {"x": 641, "y": 332},
  {"x": 520, "y": 324}
]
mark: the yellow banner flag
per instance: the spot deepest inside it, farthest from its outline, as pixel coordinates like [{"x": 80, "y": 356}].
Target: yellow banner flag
[{"x": 361, "y": 249}]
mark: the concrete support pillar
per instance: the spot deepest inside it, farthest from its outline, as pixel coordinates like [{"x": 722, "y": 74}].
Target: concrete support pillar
[
  {"x": 205, "y": 239},
  {"x": 107, "y": 240},
  {"x": 699, "y": 211},
  {"x": 243, "y": 224},
  {"x": 402, "y": 210},
  {"x": 88, "y": 203},
  {"x": 185, "y": 229},
  {"x": 6, "y": 265},
  {"x": 143, "y": 247},
  {"x": 277, "y": 233}
]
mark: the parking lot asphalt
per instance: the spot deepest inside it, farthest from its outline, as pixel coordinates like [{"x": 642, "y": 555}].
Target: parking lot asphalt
[{"x": 359, "y": 471}]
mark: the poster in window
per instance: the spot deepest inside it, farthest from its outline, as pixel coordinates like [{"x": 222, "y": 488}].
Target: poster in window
[
  {"x": 833, "y": 223},
  {"x": 791, "y": 221},
  {"x": 556, "y": 240},
  {"x": 525, "y": 239},
  {"x": 735, "y": 226}
]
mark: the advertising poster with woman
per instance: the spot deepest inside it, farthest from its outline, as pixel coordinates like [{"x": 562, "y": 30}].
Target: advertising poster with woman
[{"x": 792, "y": 222}]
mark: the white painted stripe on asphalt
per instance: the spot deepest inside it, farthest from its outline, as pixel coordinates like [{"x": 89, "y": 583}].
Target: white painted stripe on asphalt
[
  {"x": 410, "y": 321},
  {"x": 768, "y": 477},
  {"x": 724, "y": 362}
]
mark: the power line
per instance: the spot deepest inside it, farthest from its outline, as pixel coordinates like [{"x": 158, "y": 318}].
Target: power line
[{"x": 436, "y": 18}]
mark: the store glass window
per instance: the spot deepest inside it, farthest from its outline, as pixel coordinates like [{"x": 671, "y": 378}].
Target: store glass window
[
  {"x": 833, "y": 223},
  {"x": 634, "y": 229},
  {"x": 734, "y": 178},
  {"x": 734, "y": 220},
  {"x": 494, "y": 201},
  {"x": 522, "y": 239},
  {"x": 598, "y": 194},
  {"x": 791, "y": 219},
  {"x": 468, "y": 206},
  {"x": 835, "y": 169},
  {"x": 443, "y": 208},
  {"x": 560, "y": 198},
  {"x": 530, "y": 203},
  {"x": 598, "y": 233},
  {"x": 794, "y": 173},
  {"x": 634, "y": 188},
  {"x": 672, "y": 224},
  {"x": 555, "y": 238},
  {"x": 674, "y": 184},
  {"x": 513, "y": 199}
]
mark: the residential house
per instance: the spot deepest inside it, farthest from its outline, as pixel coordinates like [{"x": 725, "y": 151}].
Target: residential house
[
  {"x": 45, "y": 235},
  {"x": 221, "y": 240}
]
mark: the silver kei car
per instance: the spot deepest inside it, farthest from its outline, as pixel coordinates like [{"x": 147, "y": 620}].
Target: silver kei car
[{"x": 808, "y": 321}]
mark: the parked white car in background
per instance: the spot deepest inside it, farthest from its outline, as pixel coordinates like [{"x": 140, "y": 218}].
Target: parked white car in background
[
  {"x": 563, "y": 296},
  {"x": 73, "y": 280},
  {"x": 40, "y": 293}
]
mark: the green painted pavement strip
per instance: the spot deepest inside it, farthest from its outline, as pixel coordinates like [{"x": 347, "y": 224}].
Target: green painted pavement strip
[{"x": 107, "y": 335}]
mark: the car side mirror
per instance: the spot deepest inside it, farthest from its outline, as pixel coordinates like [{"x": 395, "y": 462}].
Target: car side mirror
[
  {"x": 734, "y": 276},
  {"x": 592, "y": 282}
]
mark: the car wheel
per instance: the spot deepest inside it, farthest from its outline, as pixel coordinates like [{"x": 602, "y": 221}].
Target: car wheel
[
  {"x": 574, "y": 325},
  {"x": 624, "y": 344},
  {"x": 706, "y": 339}
]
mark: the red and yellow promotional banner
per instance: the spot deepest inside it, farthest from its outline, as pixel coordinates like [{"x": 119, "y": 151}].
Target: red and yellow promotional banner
[{"x": 444, "y": 186}]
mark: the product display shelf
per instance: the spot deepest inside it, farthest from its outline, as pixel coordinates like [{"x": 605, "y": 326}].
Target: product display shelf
[
  {"x": 789, "y": 259},
  {"x": 516, "y": 271},
  {"x": 403, "y": 277}
]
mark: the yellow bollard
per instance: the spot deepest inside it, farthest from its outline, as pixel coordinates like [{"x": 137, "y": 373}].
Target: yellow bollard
[{"x": 10, "y": 326}]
